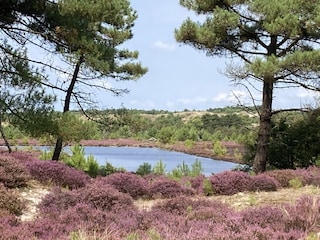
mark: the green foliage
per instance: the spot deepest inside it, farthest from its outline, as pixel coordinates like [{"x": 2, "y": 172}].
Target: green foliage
[
  {"x": 144, "y": 169},
  {"x": 219, "y": 149},
  {"x": 109, "y": 169},
  {"x": 165, "y": 134},
  {"x": 196, "y": 168},
  {"x": 273, "y": 47},
  {"x": 159, "y": 168},
  {"x": 295, "y": 183},
  {"x": 295, "y": 141},
  {"x": 73, "y": 128},
  {"x": 180, "y": 171},
  {"x": 45, "y": 155},
  {"x": 207, "y": 187},
  {"x": 189, "y": 143},
  {"x": 183, "y": 170},
  {"x": 79, "y": 161}
]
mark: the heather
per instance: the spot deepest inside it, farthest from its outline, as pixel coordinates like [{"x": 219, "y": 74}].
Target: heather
[
  {"x": 12, "y": 172},
  {"x": 57, "y": 173},
  {"x": 10, "y": 202},
  {"x": 110, "y": 207}
]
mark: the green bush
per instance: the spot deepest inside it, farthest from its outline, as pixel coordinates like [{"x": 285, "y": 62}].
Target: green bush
[
  {"x": 207, "y": 187},
  {"x": 79, "y": 161},
  {"x": 109, "y": 169},
  {"x": 144, "y": 169},
  {"x": 219, "y": 149},
  {"x": 159, "y": 168},
  {"x": 295, "y": 183},
  {"x": 196, "y": 168}
]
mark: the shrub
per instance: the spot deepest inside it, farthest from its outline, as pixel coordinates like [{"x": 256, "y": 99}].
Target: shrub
[
  {"x": 24, "y": 156},
  {"x": 309, "y": 176},
  {"x": 50, "y": 228},
  {"x": 207, "y": 187},
  {"x": 177, "y": 206},
  {"x": 197, "y": 183},
  {"x": 263, "y": 182},
  {"x": 219, "y": 149},
  {"x": 230, "y": 182},
  {"x": 196, "y": 169},
  {"x": 108, "y": 169},
  {"x": 57, "y": 201},
  {"x": 295, "y": 183},
  {"x": 195, "y": 209},
  {"x": 266, "y": 216},
  {"x": 12, "y": 172},
  {"x": 283, "y": 176},
  {"x": 79, "y": 161},
  {"x": 57, "y": 173},
  {"x": 144, "y": 169},
  {"x": 132, "y": 184},
  {"x": 163, "y": 187},
  {"x": 10, "y": 202},
  {"x": 304, "y": 214},
  {"x": 159, "y": 168},
  {"x": 84, "y": 215},
  {"x": 105, "y": 197},
  {"x": 12, "y": 228}
]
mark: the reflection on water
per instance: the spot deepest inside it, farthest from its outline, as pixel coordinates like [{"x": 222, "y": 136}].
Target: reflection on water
[{"x": 131, "y": 158}]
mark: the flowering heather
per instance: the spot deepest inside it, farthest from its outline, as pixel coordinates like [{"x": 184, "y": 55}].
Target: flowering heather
[
  {"x": 12, "y": 228},
  {"x": 12, "y": 172},
  {"x": 194, "y": 182},
  {"x": 49, "y": 229},
  {"x": 263, "y": 182},
  {"x": 230, "y": 182},
  {"x": 10, "y": 202},
  {"x": 57, "y": 173},
  {"x": 132, "y": 184},
  {"x": 164, "y": 187},
  {"x": 283, "y": 176},
  {"x": 104, "y": 197},
  {"x": 309, "y": 176},
  {"x": 304, "y": 214},
  {"x": 23, "y": 155},
  {"x": 195, "y": 209},
  {"x": 57, "y": 201},
  {"x": 265, "y": 216}
]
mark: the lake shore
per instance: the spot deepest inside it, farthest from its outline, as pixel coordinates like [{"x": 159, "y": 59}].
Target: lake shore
[{"x": 201, "y": 148}]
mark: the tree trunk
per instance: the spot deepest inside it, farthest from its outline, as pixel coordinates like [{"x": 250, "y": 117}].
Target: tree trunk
[
  {"x": 3, "y": 135},
  {"x": 66, "y": 108},
  {"x": 260, "y": 159}
]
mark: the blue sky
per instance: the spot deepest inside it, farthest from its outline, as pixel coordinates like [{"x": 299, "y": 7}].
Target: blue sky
[{"x": 179, "y": 76}]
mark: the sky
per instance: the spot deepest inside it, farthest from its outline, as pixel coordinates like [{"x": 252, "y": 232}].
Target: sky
[{"x": 180, "y": 77}]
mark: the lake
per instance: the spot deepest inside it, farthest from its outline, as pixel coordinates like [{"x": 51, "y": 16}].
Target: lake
[{"x": 131, "y": 158}]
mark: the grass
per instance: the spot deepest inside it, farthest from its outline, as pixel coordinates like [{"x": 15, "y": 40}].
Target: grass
[{"x": 244, "y": 200}]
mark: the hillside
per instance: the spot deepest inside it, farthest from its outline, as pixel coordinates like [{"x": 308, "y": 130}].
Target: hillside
[{"x": 43, "y": 200}]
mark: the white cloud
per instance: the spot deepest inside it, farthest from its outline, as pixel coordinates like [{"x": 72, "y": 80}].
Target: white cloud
[
  {"x": 164, "y": 46},
  {"x": 232, "y": 97},
  {"x": 221, "y": 97}
]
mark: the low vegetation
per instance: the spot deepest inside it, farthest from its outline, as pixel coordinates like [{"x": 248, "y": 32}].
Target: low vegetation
[{"x": 123, "y": 205}]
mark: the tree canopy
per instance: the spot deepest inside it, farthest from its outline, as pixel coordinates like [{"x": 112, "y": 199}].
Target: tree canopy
[
  {"x": 88, "y": 34},
  {"x": 277, "y": 40}
]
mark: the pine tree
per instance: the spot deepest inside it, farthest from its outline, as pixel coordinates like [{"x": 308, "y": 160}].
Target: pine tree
[
  {"x": 277, "y": 40},
  {"x": 89, "y": 34}
]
